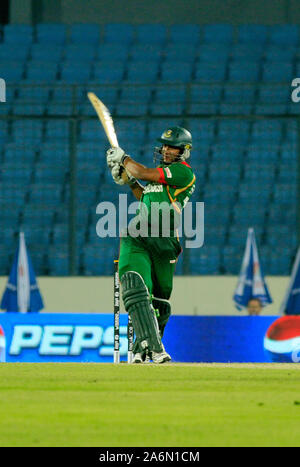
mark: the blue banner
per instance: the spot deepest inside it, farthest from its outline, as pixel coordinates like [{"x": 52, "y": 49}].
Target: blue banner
[{"x": 89, "y": 338}]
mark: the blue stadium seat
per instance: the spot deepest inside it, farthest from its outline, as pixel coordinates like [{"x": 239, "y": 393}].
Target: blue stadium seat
[
  {"x": 280, "y": 53},
  {"x": 13, "y": 195},
  {"x": 213, "y": 53},
  {"x": 27, "y": 130},
  {"x": 75, "y": 53},
  {"x": 33, "y": 93},
  {"x": 232, "y": 259},
  {"x": 210, "y": 71},
  {"x": 82, "y": 33},
  {"x": 202, "y": 129},
  {"x": 224, "y": 173},
  {"x": 184, "y": 33},
  {"x": 176, "y": 72},
  {"x": 284, "y": 193},
  {"x": 182, "y": 52},
  {"x": 205, "y": 261},
  {"x": 19, "y": 153},
  {"x": 12, "y": 71},
  {"x": 206, "y": 93},
  {"x": 232, "y": 108},
  {"x": 273, "y": 93},
  {"x": 23, "y": 107},
  {"x": 222, "y": 33},
  {"x": 48, "y": 33},
  {"x": 55, "y": 152},
  {"x": 112, "y": 52},
  {"x": 252, "y": 33},
  {"x": 239, "y": 94},
  {"x": 115, "y": 32},
  {"x": 142, "y": 72},
  {"x": 138, "y": 94},
  {"x": 261, "y": 153},
  {"x": 45, "y": 195},
  {"x": 172, "y": 108},
  {"x": 226, "y": 151},
  {"x": 12, "y": 53},
  {"x": 108, "y": 72},
  {"x": 58, "y": 262},
  {"x": 267, "y": 130},
  {"x": 75, "y": 73},
  {"x": 231, "y": 130},
  {"x": 57, "y": 130},
  {"x": 151, "y": 33},
  {"x": 15, "y": 173},
  {"x": 277, "y": 72},
  {"x": 42, "y": 72},
  {"x": 89, "y": 131},
  {"x": 285, "y": 34},
  {"x": 51, "y": 53},
  {"x": 48, "y": 174},
  {"x": 88, "y": 152},
  {"x": 132, "y": 109},
  {"x": 247, "y": 52},
  {"x": 139, "y": 52},
  {"x": 18, "y": 34},
  {"x": 61, "y": 109},
  {"x": 243, "y": 71}
]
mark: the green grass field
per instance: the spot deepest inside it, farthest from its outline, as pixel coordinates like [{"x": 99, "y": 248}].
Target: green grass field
[{"x": 170, "y": 405}]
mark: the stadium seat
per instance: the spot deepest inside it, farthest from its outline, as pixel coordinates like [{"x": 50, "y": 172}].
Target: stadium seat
[
  {"x": 184, "y": 33},
  {"x": 50, "y": 54},
  {"x": 247, "y": 52},
  {"x": 182, "y": 52},
  {"x": 243, "y": 71},
  {"x": 110, "y": 72},
  {"x": 277, "y": 72},
  {"x": 18, "y": 34},
  {"x": 252, "y": 33},
  {"x": 80, "y": 53},
  {"x": 213, "y": 53},
  {"x": 146, "y": 33},
  {"x": 142, "y": 72},
  {"x": 85, "y": 34},
  {"x": 210, "y": 71},
  {"x": 222, "y": 33},
  {"x": 285, "y": 34},
  {"x": 112, "y": 52},
  {"x": 118, "y": 32},
  {"x": 180, "y": 72},
  {"x": 48, "y": 33}
]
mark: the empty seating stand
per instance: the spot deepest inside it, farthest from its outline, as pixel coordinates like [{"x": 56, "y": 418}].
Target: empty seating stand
[{"x": 229, "y": 85}]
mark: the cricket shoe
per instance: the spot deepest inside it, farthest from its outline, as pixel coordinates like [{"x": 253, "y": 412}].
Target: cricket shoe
[
  {"x": 161, "y": 357},
  {"x": 141, "y": 358}
]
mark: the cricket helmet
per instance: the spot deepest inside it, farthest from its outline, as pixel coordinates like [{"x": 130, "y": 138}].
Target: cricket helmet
[{"x": 178, "y": 137}]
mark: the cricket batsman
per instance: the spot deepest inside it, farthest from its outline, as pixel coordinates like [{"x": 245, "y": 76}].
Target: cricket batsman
[{"x": 147, "y": 261}]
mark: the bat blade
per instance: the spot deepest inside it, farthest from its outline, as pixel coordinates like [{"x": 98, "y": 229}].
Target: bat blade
[{"x": 105, "y": 118}]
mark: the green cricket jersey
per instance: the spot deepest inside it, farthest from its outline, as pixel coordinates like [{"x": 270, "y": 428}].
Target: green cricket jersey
[{"x": 174, "y": 189}]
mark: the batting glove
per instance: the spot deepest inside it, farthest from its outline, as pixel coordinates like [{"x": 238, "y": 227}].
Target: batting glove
[
  {"x": 115, "y": 156},
  {"x": 116, "y": 174}
]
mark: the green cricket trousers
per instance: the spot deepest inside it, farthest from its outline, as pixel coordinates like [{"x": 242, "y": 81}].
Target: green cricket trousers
[{"x": 154, "y": 258}]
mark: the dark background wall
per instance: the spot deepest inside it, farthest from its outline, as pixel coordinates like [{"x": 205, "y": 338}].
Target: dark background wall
[
  {"x": 4, "y": 11},
  {"x": 156, "y": 11}
]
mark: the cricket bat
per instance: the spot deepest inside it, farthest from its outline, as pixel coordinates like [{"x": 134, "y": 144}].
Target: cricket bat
[
  {"x": 105, "y": 118},
  {"x": 108, "y": 126}
]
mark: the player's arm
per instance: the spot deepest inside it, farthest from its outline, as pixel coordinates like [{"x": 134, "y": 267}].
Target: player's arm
[
  {"x": 140, "y": 171},
  {"x": 137, "y": 189}
]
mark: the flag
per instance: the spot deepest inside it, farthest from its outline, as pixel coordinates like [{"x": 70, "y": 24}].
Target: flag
[
  {"x": 251, "y": 283},
  {"x": 291, "y": 301},
  {"x": 22, "y": 293}
]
